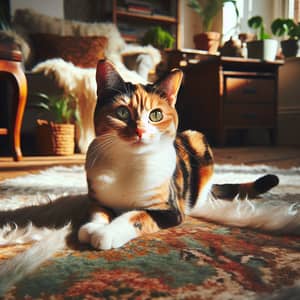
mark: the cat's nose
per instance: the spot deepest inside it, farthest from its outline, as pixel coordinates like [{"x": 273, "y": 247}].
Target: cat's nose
[{"x": 139, "y": 132}]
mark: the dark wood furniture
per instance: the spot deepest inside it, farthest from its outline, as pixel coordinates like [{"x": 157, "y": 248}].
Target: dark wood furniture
[
  {"x": 224, "y": 93},
  {"x": 11, "y": 70}
]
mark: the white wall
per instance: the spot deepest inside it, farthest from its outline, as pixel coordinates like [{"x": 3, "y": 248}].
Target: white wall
[
  {"x": 191, "y": 25},
  {"x": 53, "y": 8}
]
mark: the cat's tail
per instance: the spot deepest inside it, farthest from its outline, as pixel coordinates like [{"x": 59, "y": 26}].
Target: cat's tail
[
  {"x": 239, "y": 205},
  {"x": 229, "y": 191}
]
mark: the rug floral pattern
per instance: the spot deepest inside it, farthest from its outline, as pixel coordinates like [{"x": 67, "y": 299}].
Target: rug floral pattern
[{"x": 196, "y": 260}]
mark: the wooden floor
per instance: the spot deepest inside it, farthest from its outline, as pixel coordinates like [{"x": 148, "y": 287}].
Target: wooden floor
[{"x": 283, "y": 157}]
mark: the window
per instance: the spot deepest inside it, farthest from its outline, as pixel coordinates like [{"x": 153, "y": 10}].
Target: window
[{"x": 268, "y": 9}]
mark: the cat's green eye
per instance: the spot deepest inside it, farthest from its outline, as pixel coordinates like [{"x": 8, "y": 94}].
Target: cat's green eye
[
  {"x": 123, "y": 113},
  {"x": 156, "y": 115}
]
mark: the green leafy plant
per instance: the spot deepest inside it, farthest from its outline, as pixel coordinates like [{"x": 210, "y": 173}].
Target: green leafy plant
[
  {"x": 158, "y": 37},
  {"x": 257, "y": 24},
  {"x": 286, "y": 27},
  {"x": 208, "y": 9},
  {"x": 63, "y": 107}
]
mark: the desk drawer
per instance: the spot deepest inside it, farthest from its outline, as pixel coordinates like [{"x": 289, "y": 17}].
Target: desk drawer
[
  {"x": 249, "y": 90},
  {"x": 252, "y": 115}
]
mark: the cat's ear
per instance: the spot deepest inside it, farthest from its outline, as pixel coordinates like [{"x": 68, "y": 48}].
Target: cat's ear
[
  {"x": 170, "y": 85},
  {"x": 107, "y": 77}
]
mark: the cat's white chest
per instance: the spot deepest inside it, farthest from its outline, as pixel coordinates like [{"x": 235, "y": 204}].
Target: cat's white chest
[{"x": 128, "y": 182}]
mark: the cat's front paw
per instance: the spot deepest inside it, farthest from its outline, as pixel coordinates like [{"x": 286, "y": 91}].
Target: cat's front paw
[
  {"x": 112, "y": 236},
  {"x": 87, "y": 231}
]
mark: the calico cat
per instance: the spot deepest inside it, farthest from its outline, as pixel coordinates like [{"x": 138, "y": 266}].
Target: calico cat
[{"x": 144, "y": 175}]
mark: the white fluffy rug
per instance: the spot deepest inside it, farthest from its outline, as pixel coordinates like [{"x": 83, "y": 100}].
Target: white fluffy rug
[{"x": 57, "y": 181}]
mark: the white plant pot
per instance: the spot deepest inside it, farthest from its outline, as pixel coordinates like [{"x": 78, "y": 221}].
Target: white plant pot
[{"x": 264, "y": 49}]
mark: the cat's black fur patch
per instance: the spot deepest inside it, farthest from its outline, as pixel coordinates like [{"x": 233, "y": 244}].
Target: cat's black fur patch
[
  {"x": 108, "y": 95},
  {"x": 165, "y": 218}
]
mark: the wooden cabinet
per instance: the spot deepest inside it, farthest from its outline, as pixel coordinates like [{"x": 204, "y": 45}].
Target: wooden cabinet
[
  {"x": 289, "y": 102},
  {"x": 134, "y": 18},
  {"x": 221, "y": 94}
]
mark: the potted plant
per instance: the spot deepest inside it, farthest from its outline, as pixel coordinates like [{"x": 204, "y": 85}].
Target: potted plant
[
  {"x": 207, "y": 10},
  {"x": 263, "y": 47},
  {"x": 158, "y": 38},
  {"x": 290, "y": 31},
  {"x": 162, "y": 40},
  {"x": 57, "y": 137}
]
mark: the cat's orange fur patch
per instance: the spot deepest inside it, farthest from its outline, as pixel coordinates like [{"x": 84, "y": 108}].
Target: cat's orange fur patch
[{"x": 101, "y": 212}]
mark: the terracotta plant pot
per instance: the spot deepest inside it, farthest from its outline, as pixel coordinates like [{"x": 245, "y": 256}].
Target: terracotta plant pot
[
  {"x": 55, "y": 139},
  {"x": 208, "y": 41}
]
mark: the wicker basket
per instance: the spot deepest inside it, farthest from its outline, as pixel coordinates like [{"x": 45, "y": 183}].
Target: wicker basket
[{"x": 55, "y": 139}]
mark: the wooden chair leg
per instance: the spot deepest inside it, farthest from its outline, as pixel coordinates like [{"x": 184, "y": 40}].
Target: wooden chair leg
[
  {"x": 13, "y": 72},
  {"x": 19, "y": 102}
]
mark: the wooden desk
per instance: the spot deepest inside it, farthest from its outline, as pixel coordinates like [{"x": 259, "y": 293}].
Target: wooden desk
[
  {"x": 222, "y": 93},
  {"x": 11, "y": 69}
]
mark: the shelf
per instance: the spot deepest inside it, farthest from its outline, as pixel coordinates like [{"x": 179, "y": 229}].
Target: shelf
[
  {"x": 129, "y": 38},
  {"x": 133, "y": 22},
  {"x": 141, "y": 17}
]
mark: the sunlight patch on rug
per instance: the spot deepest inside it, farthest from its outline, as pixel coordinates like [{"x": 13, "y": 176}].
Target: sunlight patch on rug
[{"x": 42, "y": 187}]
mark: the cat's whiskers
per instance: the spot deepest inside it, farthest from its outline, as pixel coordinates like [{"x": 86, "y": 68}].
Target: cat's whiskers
[{"x": 100, "y": 146}]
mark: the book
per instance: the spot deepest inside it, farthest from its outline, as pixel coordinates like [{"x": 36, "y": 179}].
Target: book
[{"x": 139, "y": 10}]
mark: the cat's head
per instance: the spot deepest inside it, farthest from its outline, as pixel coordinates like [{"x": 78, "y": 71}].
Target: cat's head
[{"x": 139, "y": 117}]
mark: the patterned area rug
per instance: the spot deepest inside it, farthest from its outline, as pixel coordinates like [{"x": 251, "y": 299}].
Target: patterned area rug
[{"x": 196, "y": 260}]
